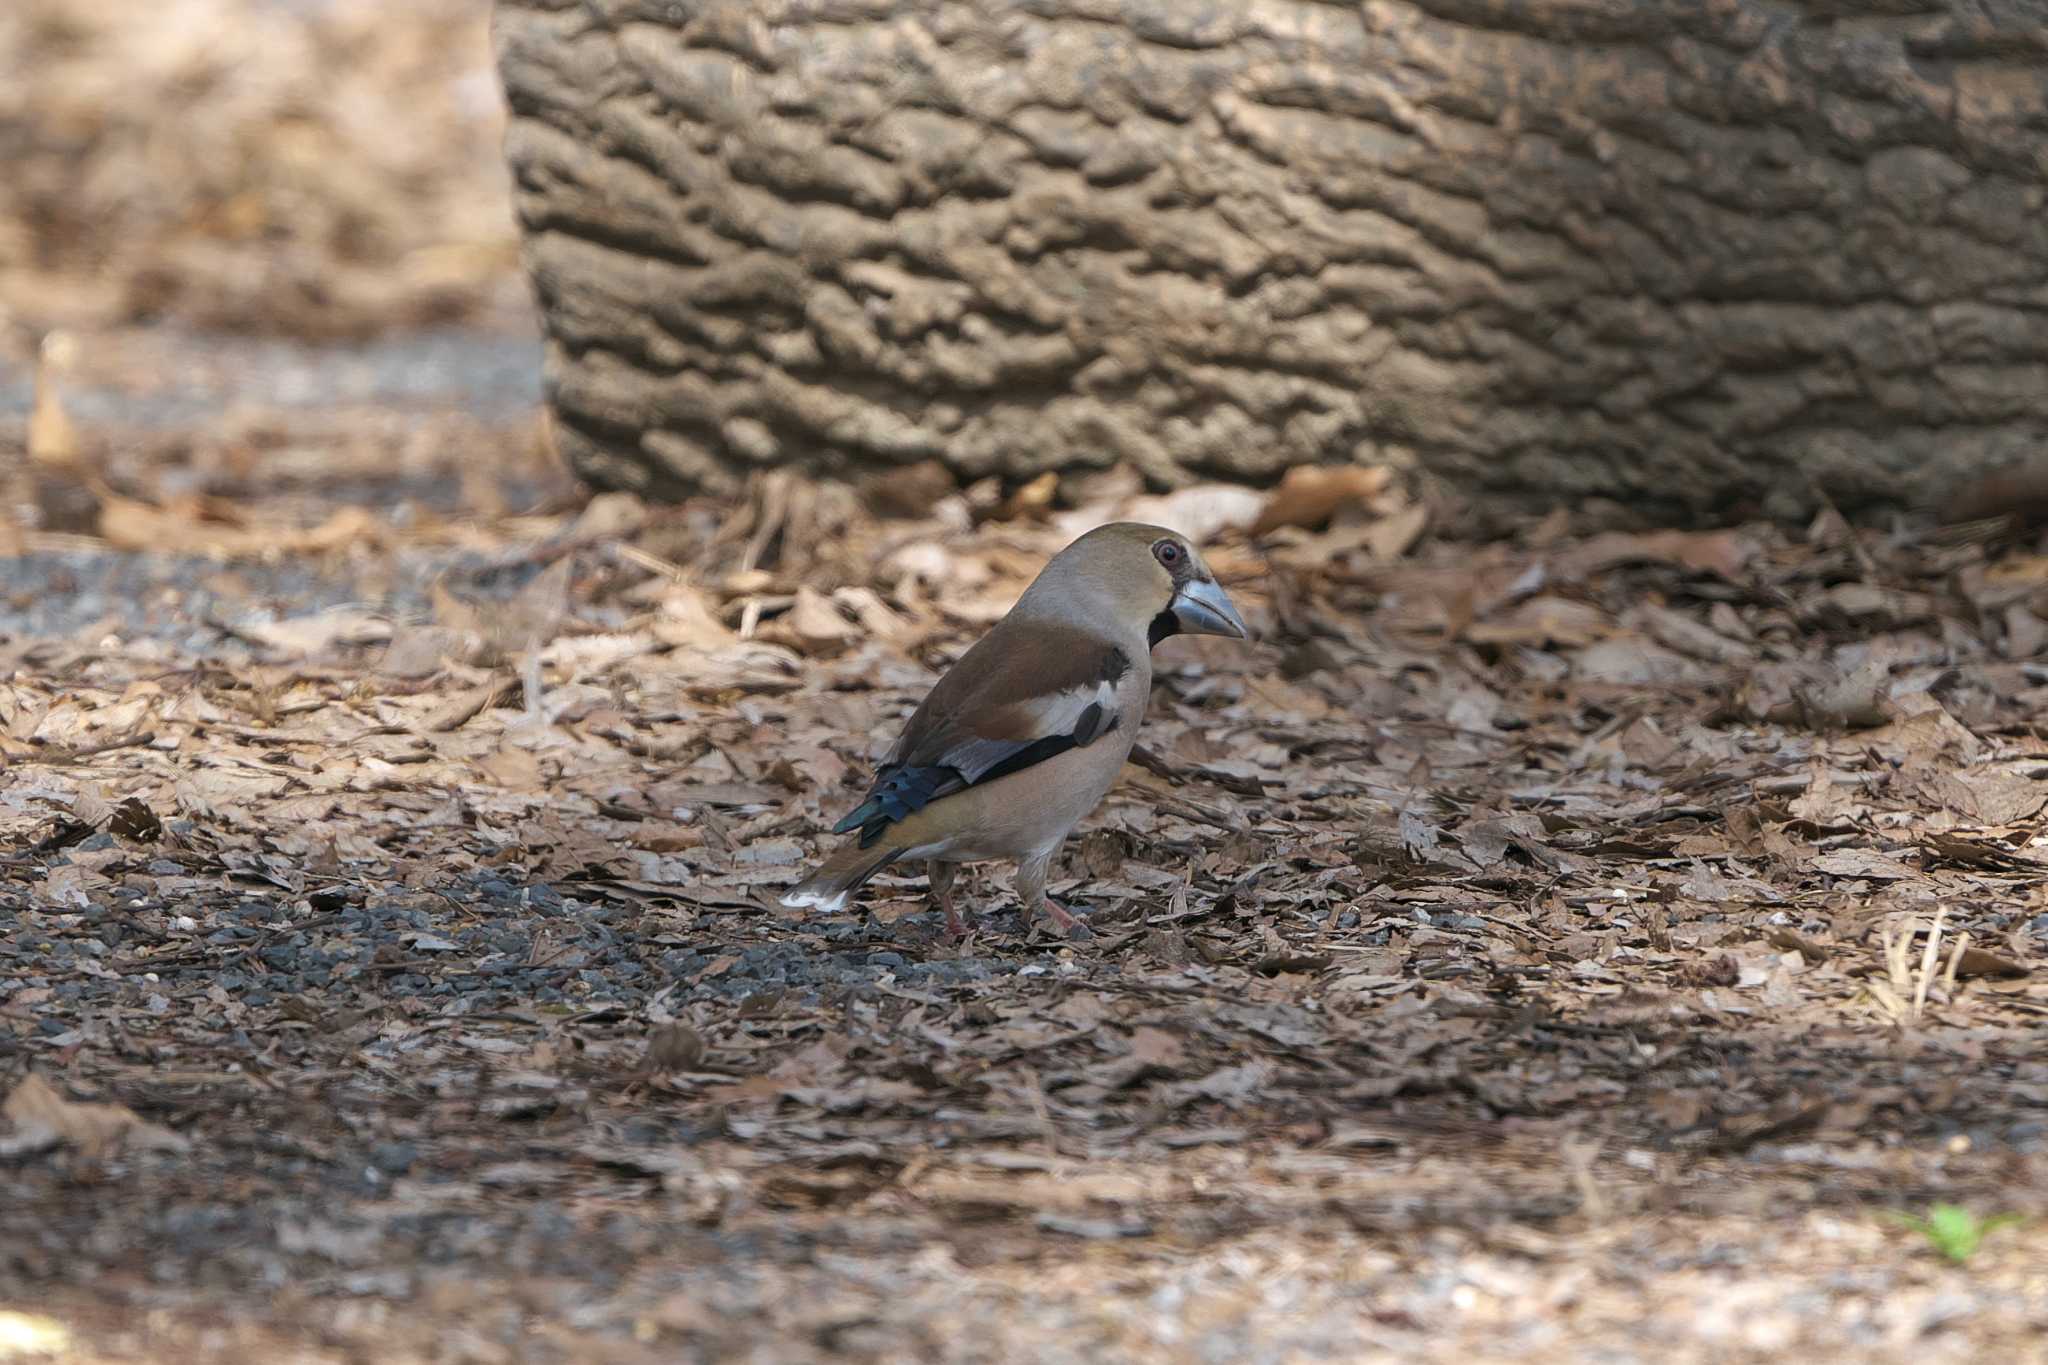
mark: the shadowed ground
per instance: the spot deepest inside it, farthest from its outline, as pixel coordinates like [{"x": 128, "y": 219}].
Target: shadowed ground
[{"x": 1489, "y": 962}]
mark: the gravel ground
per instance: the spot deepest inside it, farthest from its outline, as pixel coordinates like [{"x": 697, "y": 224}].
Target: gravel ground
[
  {"x": 492, "y": 375},
  {"x": 181, "y": 602}
]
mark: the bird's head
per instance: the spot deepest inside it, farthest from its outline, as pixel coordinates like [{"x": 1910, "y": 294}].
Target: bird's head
[{"x": 1147, "y": 578}]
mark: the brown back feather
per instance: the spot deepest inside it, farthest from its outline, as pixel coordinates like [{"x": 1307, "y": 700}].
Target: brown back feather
[{"x": 986, "y": 694}]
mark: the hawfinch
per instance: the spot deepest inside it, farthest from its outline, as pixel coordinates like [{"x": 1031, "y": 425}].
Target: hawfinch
[{"x": 1027, "y": 732}]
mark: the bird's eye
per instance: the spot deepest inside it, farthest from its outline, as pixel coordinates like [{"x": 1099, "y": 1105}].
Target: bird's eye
[{"x": 1167, "y": 553}]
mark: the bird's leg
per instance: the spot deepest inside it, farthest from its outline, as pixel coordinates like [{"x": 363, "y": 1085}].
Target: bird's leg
[
  {"x": 940, "y": 875},
  {"x": 1031, "y": 874}
]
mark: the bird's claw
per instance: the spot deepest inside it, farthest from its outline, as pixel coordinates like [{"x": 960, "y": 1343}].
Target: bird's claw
[{"x": 1066, "y": 923}]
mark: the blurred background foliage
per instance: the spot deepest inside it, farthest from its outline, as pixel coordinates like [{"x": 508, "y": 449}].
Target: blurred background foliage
[{"x": 290, "y": 167}]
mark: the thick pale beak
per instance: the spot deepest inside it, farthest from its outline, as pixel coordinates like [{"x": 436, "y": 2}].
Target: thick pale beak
[{"x": 1202, "y": 608}]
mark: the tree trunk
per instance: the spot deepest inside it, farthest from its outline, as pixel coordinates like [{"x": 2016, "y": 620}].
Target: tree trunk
[{"x": 1702, "y": 259}]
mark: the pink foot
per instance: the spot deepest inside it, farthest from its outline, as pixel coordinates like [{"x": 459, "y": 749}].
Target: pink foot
[{"x": 1066, "y": 922}]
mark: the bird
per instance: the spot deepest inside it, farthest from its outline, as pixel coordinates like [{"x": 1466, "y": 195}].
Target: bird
[{"x": 1025, "y": 734}]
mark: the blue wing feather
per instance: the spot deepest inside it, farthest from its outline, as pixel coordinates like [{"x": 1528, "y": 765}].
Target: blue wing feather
[
  {"x": 897, "y": 792},
  {"x": 901, "y": 791}
]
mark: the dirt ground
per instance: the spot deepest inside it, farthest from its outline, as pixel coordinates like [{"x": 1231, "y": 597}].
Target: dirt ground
[
  {"x": 1587, "y": 946},
  {"x": 1488, "y": 962}
]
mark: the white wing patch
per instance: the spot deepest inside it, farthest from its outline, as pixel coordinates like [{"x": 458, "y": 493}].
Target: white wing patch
[{"x": 1060, "y": 713}]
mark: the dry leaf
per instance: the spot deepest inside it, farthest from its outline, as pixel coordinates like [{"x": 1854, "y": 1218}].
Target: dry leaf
[
  {"x": 1717, "y": 552},
  {"x": 686, "y": 621},
  {"x": 301, "y": 637},
  {"x": 1862, "y": 863},
  {"x": 1543, "y": 621},
  {"x": 1395, "y": 534},
  {"x": 512, "y": 768},
  {"x": 1978, "y": 962},
  {"x": 1309, "y": 495},
  {"x": 458, "y": 710},
  {"x": 814, "y": 625},
  {"x": 210, "y": 527},
  {"x": 132, "y": 818},
  {"x": 40, "y": 1114},
  {"x": 609, "y": 516},
  {"x": 1031, "y": 501},
  {"x": 1201, "y": 512}
]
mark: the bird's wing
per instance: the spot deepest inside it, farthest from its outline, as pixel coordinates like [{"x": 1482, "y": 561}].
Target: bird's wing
[{"x": 1028, "y": 690}]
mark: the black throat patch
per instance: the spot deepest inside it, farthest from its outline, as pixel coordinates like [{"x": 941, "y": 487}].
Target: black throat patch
[{"x": 1162, "y": 626}]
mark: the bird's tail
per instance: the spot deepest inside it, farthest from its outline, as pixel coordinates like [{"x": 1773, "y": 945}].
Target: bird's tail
[{"x": 841, "y": 875}]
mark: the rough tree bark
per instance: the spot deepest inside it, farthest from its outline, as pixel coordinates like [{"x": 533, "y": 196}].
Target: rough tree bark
[{"x": 1696, "y": 257}]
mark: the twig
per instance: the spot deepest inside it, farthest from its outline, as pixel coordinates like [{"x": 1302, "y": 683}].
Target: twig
[
  {"x": 1955, "y": 961},
  {"x": 653, "y": 563},
  {"x": 134, "y": 741},
  {"x": 1929, "y": 957},
  {"x": 1903, "y": 993}
]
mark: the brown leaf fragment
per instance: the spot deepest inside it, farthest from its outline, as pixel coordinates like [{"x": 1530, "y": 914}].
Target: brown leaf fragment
[
  {"x": 609, "y": 516},
  {"x": 1541, "y": 621},
  {"x": 211, "y": 527},
  {"x": 1787, "y": 941},
  {"x": 1870, "y": 604},
  {"x": 1201, "y": 512},
  {"x": 873, "y": 614},
  {"x": 39, "y": 1113},
  {"x": 1396, "y": 534},
  {"x": 1958, "y": 851},
  {"x": 132, "y": 819},
  {"x": 467, "y": 705},
  {"x": 972, "y": 1196},
  {"x": 686, "y": 621},
  {"x": 1636, "y": 661},
  {"x": 1686, "y": 635},
  {"x": 512, "y": 768},
  {"x": 1031, "y": 501},
  {"x": 1863, "y": 864},
  {"x": 1988, "y": 798},
  {"x": 1978, "y": 962},
  {"x": 305, "y": 637},
  {"x": 1309, "y": 495},
  {"x": 1157, "y": 1047},
  {"x": 1717, "y": 552},
  {"x": 813, "y": 624}
]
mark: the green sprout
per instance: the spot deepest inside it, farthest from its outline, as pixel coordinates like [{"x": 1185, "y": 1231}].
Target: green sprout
[{"x": 1954, "y": 1231}]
